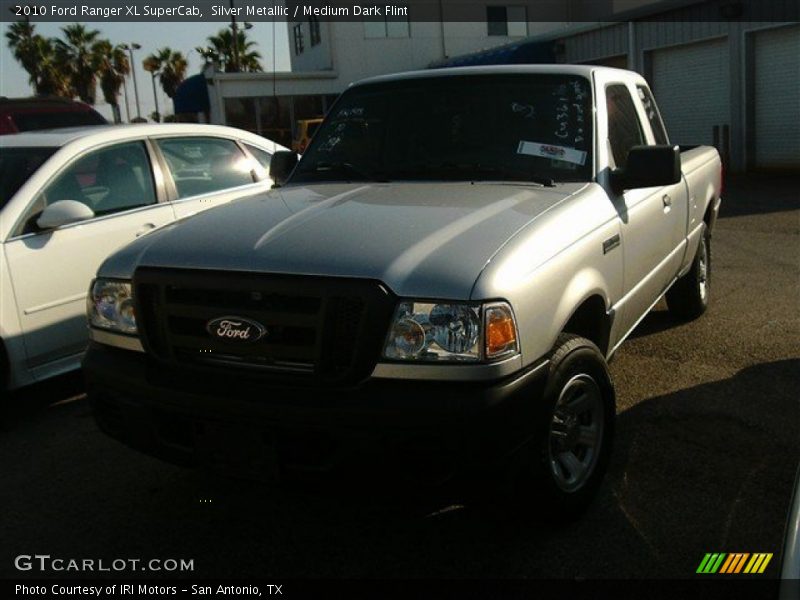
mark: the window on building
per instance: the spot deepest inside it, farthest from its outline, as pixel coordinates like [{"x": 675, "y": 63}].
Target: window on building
[
  {"x": 624, "y": 128},
  {"x": 314, "y": 31},
  {"x": 387, "y": 29},
  {"x": 298, "y": 38},
  {"x": 508, "y": 21},
  {"x": 653, "y": 114}
]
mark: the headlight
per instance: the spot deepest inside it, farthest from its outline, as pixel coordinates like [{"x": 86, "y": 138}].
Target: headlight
[
  {"x": 110, "y": 306},
  {"x": 452, "y": 332}
]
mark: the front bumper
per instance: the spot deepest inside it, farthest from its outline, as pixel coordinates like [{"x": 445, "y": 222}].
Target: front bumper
[{"x": 427, "y": 430}]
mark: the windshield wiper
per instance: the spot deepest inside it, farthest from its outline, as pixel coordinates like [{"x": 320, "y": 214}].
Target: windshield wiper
[{"x": 344, "y": 167}]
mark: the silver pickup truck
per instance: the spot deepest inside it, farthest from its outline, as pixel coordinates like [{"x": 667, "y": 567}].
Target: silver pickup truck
[{"x": 431, "y": 292}]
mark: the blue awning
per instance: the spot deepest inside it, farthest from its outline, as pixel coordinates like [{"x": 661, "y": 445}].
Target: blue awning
[
  {"x": 519, "y": 53},
  {"x": 192, "y": 95}
]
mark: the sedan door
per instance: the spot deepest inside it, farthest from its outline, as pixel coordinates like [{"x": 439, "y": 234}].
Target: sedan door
[
  {"x": 207, "y": 171},
  {"x": 51, "y": 269}
]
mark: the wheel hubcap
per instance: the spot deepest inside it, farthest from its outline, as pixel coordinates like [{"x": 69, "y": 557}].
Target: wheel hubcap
[
  {"x": 702, "y": 272},
  {"x": 576, "y": 432}
]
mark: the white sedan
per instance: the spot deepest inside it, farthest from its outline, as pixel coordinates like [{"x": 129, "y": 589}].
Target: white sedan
[{"x": 71, "y": 197}]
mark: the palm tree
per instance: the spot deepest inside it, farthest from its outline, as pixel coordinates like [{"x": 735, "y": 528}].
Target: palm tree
[
  {"x": 220, "y": 51},
  {"x": 114, "y": 67},
  {"x": 80, "y": 57},
  {"x": 170, "y": 66},
  {"x": 173, "y": 71},
  {"x": 36, "y": 55}
]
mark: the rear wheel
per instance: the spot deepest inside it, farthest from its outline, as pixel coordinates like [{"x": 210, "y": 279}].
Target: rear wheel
[
  {"x": 572, "y": 443},
  {"x": 688, "y": 296}
]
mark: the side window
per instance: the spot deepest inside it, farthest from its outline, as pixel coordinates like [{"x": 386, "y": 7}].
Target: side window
[
  {"x": 653, "y": 114},
  {"x": 261, "y": 155},
  {"x": 110, "y": 180},
  {"x": 203, "y": 165},
  {"x": 624, "y": 129}
]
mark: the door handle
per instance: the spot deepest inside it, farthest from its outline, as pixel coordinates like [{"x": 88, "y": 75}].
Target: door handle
[
  {"x": 145, "y": 228},
  {"x": 667, "y": 201}
]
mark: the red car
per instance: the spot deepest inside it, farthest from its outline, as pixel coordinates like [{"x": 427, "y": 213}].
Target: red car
[{"x": 28, "y": 114}]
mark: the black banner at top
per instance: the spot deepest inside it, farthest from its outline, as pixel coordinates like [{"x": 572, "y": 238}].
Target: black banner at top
[{"x": 401, "y": 10}]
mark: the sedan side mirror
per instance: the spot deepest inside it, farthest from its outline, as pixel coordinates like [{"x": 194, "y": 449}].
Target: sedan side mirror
[
  {"x": 281, "y": 166},
  {"x": 648, "y": 166},
  {"x": 64, "y": 212}
]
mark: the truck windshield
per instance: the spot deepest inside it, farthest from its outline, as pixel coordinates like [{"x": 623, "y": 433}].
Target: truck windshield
[
  {"x": 518, "y": 127},
  {"x": 16, "y": 167}
]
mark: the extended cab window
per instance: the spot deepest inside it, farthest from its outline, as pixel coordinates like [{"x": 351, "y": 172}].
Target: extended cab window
[
  {"x": 203, "y": 165},
  {"x": 653, "y": 114},
  {"x": 624, "y": 128},
  {"x": 511, "y": 127}
]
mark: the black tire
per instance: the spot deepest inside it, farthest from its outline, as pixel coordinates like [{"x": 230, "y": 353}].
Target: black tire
[
  {"x": 688, "y": 297},
  {"x": 576, "y": 367}
]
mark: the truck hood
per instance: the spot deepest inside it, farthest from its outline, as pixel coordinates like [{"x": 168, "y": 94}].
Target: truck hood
[{"x": 420, "y": 239}]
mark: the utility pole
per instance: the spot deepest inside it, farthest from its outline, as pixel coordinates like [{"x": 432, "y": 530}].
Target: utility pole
[
  {"x": 127, "y": 104},
  {"x": 155, "y": 97},
  {"x": 235, "y": 31},
  {"x": 130, "y": 48}
]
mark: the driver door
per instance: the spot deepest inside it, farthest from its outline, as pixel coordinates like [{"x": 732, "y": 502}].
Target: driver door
[{"x": 51, "y": 270}]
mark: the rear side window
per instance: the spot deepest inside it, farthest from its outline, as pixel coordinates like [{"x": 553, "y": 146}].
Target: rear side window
[
  {"x": 653, "y": 115},
  {"x": 204, "y": 165},
  {"x": 624, "y": 129}
]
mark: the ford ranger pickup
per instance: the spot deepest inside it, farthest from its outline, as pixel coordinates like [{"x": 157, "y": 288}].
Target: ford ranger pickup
[{"x": 432, "y": 291}]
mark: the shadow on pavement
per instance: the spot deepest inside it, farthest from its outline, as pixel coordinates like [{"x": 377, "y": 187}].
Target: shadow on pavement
[
  {"x": 704, "y": 469},
  {"x": 25, "y": 403}
]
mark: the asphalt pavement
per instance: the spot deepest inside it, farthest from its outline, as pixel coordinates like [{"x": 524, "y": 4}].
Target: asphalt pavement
[{"x": 708, "y": 442}]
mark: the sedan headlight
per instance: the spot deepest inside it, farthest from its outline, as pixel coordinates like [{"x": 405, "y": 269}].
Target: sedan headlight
[
  {"x": 451, "y": 332},
  {"x": 110, "y": 306}
]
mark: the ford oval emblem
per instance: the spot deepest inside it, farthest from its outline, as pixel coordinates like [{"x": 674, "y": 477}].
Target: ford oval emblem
[{"x": 236, "y": 329}]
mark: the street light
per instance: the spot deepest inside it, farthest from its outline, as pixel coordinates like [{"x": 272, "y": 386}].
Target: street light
[
  {"x": 127, "y": 104},
  {"x": 151, "y": 66},
  {"x": 130, "y": 48},
  {"x": 235, "y": 32}
]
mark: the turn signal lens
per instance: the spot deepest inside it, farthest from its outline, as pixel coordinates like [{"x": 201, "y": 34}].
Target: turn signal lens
[{"x": 501, "y": 331}]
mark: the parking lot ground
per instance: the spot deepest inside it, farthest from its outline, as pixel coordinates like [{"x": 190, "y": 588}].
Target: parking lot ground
[{"x": 708, "y": 442}]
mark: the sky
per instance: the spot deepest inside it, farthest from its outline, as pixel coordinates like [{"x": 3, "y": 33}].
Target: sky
[{"x": 178, "y": 36}]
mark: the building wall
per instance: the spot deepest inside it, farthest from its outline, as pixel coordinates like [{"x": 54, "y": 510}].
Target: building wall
[
  {"x": 639, "y": 41},
  {"x": 347, "y": 48}
]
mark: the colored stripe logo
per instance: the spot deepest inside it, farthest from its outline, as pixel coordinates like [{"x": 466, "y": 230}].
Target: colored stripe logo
[{"x": 734, "y": 562}]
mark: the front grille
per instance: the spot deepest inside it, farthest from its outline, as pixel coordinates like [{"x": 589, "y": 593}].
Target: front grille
[{"x": 319, "y": 328}]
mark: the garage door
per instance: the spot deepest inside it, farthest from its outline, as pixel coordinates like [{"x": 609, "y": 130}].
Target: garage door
[
  {"x": 777, "y": 98},
  {"x": 691, "y": 84}
]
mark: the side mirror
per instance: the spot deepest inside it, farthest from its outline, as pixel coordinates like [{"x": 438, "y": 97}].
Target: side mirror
[
  {"x": 648, "y": 166},
  {"x": 281, "y": 166},
  {"x": 63, "y": 212}
]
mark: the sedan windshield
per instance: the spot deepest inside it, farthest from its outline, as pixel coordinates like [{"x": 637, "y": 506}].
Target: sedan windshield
[
  {"x": 16, "y": 167},
  {"x": 517, "y": 127}
]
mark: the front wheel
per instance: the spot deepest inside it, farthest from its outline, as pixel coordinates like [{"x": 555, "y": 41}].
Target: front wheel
[
  {"x": 572, "y": 443},
  {"x": 688, "y": 296}
]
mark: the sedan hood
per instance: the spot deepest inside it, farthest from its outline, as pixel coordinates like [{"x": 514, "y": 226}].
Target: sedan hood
[{"x": 420, "y": 239}]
